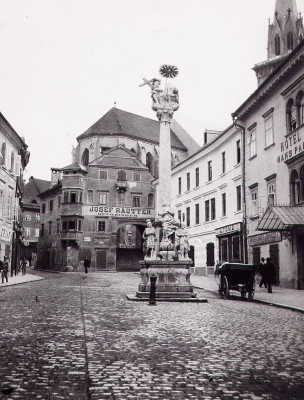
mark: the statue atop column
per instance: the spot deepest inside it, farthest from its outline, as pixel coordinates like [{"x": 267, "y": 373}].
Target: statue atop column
[{"x": 164, "y": 98}]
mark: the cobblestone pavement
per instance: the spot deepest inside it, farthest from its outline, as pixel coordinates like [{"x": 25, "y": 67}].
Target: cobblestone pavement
[{"x": 83, "y": 340}]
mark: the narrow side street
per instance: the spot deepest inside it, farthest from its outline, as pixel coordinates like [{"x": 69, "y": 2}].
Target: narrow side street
[{"x": 84, "y": 340}]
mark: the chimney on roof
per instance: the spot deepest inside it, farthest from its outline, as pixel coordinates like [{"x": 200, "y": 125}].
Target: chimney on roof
[{"x": 55, "y": 177}]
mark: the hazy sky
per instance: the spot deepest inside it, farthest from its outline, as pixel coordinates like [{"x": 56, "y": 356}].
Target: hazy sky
[{"x": 65, "y": 62}]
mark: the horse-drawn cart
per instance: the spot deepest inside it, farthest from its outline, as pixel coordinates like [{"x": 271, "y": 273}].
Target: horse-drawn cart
[{"x": 236, "y": 276}]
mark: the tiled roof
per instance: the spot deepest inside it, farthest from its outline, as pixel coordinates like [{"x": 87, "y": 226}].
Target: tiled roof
[
  {"x": 34, "y": 187},
  {"x": 123, "y": 123},
  {"x": 74, "y": 167},
  {"x": 280, "y": 218},
  {"x": 118, "y": 157}
]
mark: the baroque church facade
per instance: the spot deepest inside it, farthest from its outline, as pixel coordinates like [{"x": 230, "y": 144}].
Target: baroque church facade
[{"x": 98, "y": 206}]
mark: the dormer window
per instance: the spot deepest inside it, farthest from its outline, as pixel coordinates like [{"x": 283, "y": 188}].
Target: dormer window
[{"x": 121, "y": 176}]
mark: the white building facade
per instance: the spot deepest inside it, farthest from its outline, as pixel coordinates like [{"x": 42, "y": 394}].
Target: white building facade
[{"x": 208, "y": 198}]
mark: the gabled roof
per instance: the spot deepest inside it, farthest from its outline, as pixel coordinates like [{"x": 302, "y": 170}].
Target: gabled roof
[
  {"x": 123, "y": 123},
  {"x": 280, "y": 218},
  {"x": 34, "y": 187},
  {"x": 118, "y": 157}
]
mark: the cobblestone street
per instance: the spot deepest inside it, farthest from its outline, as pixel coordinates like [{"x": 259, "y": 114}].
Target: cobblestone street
[{"x": 84, "y": 340}]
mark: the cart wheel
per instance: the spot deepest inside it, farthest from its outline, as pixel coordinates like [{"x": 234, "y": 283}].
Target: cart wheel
[
  {"x": 243, "y": 294},
  {"x": 225, "y": 287},
  {"x": 251, "y": 292}
]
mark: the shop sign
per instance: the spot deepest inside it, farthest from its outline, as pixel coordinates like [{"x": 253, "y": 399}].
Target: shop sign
[
  {"x": 121, "y": 212},
  {"x": 5, "y": 233},
  {"x": 264, "y": 238},
  {"x": 226, "y": 230},
  {"x": 87, "y": 239},
  {"x": 291, "y": 147},
  {"x": 106, "y": 236}
]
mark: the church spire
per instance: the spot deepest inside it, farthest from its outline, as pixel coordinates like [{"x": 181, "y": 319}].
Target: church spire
[{"x": 284, "y": 34}]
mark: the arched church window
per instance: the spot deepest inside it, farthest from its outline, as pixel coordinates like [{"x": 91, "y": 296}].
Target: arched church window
[
  {"x": 294, "y": 187},
  {"x": 149, "y": 162},
  {"x": 121, "y": 176},
  {"x": 85, "y": 158},
  {"x": 277, "y": 45},
  {"x": 289, "y": 41}
]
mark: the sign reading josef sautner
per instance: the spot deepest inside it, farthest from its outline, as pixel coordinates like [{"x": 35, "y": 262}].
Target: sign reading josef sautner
[{"x": 124, "y": 212}]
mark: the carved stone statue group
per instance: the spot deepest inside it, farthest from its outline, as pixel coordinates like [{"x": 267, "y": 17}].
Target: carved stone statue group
[{"x": 166, "y": 240}]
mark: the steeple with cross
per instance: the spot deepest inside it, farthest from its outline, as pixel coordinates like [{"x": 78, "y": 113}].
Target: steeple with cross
[{"x": 284, "y": 34}]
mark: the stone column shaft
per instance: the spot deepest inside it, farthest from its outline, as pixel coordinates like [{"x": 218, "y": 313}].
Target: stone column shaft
[{"x": 164, "y": 194}]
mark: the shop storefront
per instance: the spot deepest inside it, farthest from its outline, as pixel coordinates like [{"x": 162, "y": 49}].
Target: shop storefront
[{"x": 230, "y": 242}]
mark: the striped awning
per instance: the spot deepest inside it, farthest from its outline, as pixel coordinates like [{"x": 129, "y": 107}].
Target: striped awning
[{"x": 281, "y": 218}]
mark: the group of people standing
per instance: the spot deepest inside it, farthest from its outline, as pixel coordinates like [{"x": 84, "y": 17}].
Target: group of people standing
[{"x": 267, "y": 272}]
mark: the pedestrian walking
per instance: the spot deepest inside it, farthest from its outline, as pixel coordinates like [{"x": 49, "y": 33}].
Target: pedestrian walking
[
  {"x": 86, "y": 264},
  {"x": 5, "y": 269},
  {"x": 23, "y": 266},
  {"x": 262, "y": 272},
  {"x": 270, "y": 274}
]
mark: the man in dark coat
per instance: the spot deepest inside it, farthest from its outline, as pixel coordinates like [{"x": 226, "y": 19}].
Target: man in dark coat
[
  {"x": 262, "y": 272},
  {"x": 86, "y": 264},
  {"x": 270, "y": 274},
  {"x": 5, "y": 268}
]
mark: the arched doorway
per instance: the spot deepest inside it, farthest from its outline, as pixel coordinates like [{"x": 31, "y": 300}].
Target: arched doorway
[{"x": 129, "y": 247}]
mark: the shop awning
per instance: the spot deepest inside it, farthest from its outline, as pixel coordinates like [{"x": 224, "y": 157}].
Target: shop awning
[{"x": 281, "y": 218}]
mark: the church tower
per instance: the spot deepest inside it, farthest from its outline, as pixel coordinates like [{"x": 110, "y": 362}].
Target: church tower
[{"x": 284, "y": 34}]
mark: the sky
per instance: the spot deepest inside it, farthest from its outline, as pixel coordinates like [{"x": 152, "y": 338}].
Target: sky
[{"x": 65, "y": 62}]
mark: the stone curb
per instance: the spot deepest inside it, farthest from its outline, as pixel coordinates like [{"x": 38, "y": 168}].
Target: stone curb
[
  {"x": 269, "y": 303},
  {"x": 20, "y": 283},
  {"x": 179, "y": 300}
]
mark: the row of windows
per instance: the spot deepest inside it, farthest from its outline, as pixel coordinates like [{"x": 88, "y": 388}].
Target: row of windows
[
  {"x": 277, "y": 43},
  {"x": 28, "y": 216},
  {"x": 254, "y": 198},
  {"x": 51, "y": 203},
  {"x": 103, "y": 198},
  {"x": 67, "y": 225},
  {"x": 210, "y": 209},
  {"x": 209, "y": 170},
  {"x": 121, "y": 175},
  {"x": 8, "y": 163}
]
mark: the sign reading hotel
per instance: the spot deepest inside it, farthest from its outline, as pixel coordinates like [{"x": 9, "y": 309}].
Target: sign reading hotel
[
  {"x": 291, "y": 147},
  {"x": 118, "y": 212}
]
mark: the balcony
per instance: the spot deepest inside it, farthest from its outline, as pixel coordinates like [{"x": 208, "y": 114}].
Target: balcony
[{"x": 71, "y": 235}]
